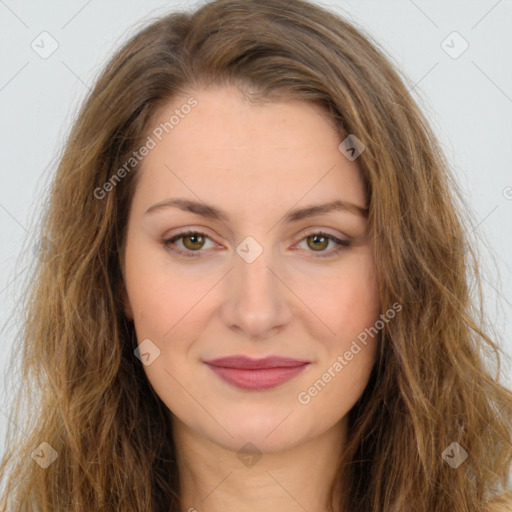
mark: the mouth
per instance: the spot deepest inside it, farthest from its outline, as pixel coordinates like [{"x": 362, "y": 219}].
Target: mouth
[{"x": 256, "y": 374}]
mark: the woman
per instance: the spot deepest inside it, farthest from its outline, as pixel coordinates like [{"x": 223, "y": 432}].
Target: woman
[{"x": 255, "y": 291}]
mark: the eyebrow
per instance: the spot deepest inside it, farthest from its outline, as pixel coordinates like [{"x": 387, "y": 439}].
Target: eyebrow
[{"x": 215, "y": 213}]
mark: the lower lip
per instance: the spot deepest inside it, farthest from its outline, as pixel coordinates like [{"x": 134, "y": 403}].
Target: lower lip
[{"x": 263, "y": 378}]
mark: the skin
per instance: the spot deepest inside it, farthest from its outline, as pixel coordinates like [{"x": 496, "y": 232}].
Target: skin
[{"x": 255, "y": 162}]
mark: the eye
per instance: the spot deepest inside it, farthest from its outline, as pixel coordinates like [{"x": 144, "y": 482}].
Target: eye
[
  {"x": 194, "y": 241},
  {"x": 319, "y": 242}
]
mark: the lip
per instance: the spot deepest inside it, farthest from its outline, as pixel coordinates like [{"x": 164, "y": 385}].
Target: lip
[{"x": 256, "y": 374}]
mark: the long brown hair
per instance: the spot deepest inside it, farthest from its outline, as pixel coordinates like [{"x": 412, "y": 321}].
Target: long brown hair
[{"x": 431, "y": 385}]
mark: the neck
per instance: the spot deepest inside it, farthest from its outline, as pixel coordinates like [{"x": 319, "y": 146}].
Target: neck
[{"x": 214, "y": 478}]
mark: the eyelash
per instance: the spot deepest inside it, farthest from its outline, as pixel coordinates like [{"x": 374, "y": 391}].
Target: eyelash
[{"x": 341, "y": 244}]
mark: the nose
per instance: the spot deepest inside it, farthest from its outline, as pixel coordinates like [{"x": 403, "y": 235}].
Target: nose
[{"x": 256, "y": 299}]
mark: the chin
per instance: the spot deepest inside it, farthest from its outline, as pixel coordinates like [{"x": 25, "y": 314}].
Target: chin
[{"x": 267, "y": 433}]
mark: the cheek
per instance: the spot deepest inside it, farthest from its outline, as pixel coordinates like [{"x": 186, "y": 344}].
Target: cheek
[
  {"x": 351, "y": 309},
  {"x": 349, "y": 354},
  {"x": 159, "y": 297},
  {"x": 358, "y": 304},
  {"x": 347, "y": 301},
  {"x": 329, "y": 395}
]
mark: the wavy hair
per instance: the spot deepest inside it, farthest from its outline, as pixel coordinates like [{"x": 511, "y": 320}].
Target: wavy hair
[{"x": 432, "y": 382}]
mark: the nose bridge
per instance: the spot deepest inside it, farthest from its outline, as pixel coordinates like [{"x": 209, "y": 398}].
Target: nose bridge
[
  {"x": 256, "y": 301},
  {"x": 254, "y": 277}
]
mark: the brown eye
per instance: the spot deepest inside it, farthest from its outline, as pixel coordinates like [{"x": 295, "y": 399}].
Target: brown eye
[
  {"x": 317, "y": 242},
  {"x": 193, "y": 241}
]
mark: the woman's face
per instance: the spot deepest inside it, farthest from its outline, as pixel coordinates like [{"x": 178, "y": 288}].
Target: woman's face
[{"x": 255, "y": 278}]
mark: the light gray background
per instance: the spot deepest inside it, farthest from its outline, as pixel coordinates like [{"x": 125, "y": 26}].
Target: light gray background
[{"x": 468, "y": 100}]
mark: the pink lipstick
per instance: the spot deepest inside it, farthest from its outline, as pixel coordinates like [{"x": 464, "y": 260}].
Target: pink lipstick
[{"x": 256, "y": 374}]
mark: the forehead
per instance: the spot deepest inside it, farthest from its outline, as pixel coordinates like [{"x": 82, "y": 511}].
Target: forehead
[{"x": 250, "y": 156}]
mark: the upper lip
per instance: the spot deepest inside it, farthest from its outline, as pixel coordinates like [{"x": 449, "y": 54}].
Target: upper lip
[{"x": 244, "y": 362}]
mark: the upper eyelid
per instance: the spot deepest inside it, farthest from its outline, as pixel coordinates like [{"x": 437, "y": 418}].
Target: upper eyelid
[{"x": 311, "y": 232}]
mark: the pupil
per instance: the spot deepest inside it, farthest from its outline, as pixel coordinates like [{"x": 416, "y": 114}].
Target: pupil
[
  {"x": 318, "y": 239},
  {"x": 193, "y": 238}
]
